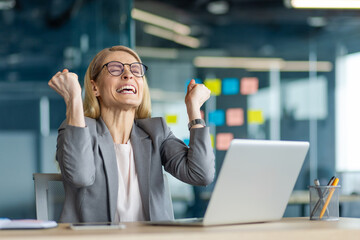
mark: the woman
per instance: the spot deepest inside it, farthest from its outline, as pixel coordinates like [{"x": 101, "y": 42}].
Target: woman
[{"x": 111, "y": 160}]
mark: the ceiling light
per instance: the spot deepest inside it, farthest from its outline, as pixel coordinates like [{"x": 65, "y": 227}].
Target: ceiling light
[
  {"x": 304, "y": 66},
  {"x": 237, "y": 62},
  {"x": 218, "y": 7},
  {"x": 324, "y": 4},
  {"x": 260, "y": 64},
  {"x": 316, "y": 21},
  {"x": 147, "y": 17},
  {"x": 163, "y": 53},
  {"x": 7, "y": 4},
  {"x": 169, "y": 35}
]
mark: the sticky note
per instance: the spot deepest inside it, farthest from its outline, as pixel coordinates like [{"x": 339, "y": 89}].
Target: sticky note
[
  {"x": 212, "y": 140},
  {"x": 223, "y": 141},
  {"x": 255, "y": 117},
  {"x": 186, "y": 141},
  {"x": 249, "y": 85},
  {"x": 171, "y": 119},
  {"x": 234, "y": 117},
  {"x": 214, "y": 85},
  {"x": 230, "y": 86},
  {"x": 197, "y": 81},
  {"x": 217, "y": 117}
]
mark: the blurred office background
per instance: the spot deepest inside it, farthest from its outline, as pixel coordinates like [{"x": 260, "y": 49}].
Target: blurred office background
[{"x": 275, "y": 72}]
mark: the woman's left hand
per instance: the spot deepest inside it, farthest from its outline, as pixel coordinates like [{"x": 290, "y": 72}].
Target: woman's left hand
[{"x": 195, "y": 97}]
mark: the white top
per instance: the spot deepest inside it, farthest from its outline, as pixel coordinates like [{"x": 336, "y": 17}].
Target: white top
[{"x": 129, "y": 205}]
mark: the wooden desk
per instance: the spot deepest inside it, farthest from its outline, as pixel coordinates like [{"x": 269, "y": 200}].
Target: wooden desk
[{"x": 288, "y": 228}]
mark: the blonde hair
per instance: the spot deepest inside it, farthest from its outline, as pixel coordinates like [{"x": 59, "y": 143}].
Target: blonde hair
[{"x": 91, "y": 103}]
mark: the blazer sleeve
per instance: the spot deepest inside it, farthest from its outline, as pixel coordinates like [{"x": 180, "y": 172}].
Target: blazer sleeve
[
  {"x": 194, "y": 164},
  {"x": 75, "y": 155}
]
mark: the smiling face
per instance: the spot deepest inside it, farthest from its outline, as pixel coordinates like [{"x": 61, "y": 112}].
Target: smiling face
[{"x": 124, "y": 91}]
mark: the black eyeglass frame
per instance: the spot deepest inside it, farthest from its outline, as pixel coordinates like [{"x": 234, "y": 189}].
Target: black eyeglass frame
[{"x": 145, "y": 67}]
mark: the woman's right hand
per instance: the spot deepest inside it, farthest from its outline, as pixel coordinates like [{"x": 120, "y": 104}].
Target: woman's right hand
[{"x": 67, "y": 85}]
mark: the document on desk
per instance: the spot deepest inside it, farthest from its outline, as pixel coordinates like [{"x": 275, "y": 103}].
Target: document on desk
[{"x": 7, "y": 224}]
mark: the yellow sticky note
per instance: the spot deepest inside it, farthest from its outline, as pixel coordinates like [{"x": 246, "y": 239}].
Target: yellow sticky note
[
  {"x": 255, "y": 117},
  {"x": 212, "y": 140},
  {"x": 214, "y": 85},
  {"x": 171, "y": 119}
]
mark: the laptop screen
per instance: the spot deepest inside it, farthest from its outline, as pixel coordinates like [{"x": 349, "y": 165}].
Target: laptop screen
[{"x": 255, "y": 181}]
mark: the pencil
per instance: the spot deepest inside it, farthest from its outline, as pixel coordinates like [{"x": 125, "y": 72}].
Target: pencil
[
  {"x": 329, "y": 197},
  {"x": 321, "y": 198}
]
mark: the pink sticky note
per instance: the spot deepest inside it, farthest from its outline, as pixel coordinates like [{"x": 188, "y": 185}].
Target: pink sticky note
[
  {"x": 235, "y": 117},
  {"x": 249, "y": 85},
  {"x": 223, "y": 141}
]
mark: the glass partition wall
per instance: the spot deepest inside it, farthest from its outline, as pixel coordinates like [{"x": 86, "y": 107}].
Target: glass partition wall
[{"x": 274, "y": 78}]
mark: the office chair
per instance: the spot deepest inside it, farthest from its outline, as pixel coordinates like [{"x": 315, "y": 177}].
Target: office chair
[
  {"x": 49, "y": 195},
  {"x": 167, "y": 188}
]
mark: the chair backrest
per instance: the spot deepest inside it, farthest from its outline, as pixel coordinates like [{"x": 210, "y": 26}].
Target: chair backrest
[
  {"x": 49, "y": 195},
  {"x": 167, "y": 188}
]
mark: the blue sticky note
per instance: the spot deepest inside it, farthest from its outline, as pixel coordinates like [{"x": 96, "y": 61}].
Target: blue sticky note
[
  {"x": 230, "y": 86},
  {"x": 197, "y": 81},
  {"x": 217, "y": 117},
  {"x": 186, "y": 141}
]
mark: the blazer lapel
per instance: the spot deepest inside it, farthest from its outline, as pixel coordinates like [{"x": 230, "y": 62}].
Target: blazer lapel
[
  {"x": 106, "y": 148},
  {"x": 141, "y": 145}
]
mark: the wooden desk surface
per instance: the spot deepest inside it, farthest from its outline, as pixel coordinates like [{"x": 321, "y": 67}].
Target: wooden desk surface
[{"x": 288, "y": 228}]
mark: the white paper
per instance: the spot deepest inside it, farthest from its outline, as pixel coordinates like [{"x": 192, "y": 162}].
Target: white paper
[{"x": 26, "y": 224}]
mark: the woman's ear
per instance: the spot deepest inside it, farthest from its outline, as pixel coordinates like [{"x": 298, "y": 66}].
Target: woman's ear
[{"x": 95, "y": 88}]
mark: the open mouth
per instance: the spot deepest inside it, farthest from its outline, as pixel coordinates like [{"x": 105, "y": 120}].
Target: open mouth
[{"x": 127, "y": 89}]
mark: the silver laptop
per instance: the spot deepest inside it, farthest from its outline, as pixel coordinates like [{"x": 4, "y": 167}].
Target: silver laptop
[{"x": 254, "y": 184}]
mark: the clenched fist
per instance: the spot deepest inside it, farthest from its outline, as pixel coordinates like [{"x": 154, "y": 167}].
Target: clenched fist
[
  {"x": 66, "y": 84},
  {"x": 195, "y": 97}
]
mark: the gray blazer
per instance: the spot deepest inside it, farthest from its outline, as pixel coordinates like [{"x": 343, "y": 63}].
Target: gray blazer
[{"x": 88, "y": 164}]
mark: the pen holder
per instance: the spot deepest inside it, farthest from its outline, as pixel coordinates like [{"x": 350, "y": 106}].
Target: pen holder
[{"x": 324, "y": 203}]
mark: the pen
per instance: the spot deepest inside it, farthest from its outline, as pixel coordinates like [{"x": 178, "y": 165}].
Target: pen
[
  {"x": 321, "y": 197},
  {"x": 316, "y": 183},
  {"x": 331, "y": 180},
  {"x": 335, "y": 183}
]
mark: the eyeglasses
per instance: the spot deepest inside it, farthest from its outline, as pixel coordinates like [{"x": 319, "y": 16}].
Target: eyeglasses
[{"x": 116, "y": 68}]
